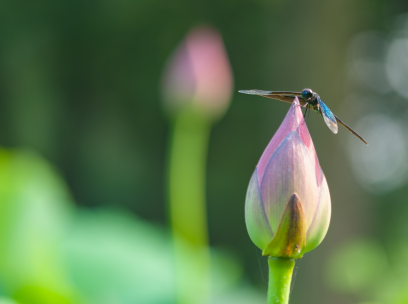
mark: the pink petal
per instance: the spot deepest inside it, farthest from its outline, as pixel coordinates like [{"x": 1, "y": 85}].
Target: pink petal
[
  {"x": 211, "y": 67},
  {"x": 199, "y": 74},
  {"x": 290, "y": 170},
  {"x": 320, "y": 224},
  {"x": 179, "y": 82},
  {"x": 255, "y": 218},
  {"x": 293, "y": 121}
]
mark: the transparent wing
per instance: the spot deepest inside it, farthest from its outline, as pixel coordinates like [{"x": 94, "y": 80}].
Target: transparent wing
[
  {"x": 270, "y": 93},
  {"x": 328, "y": 117},
  {"x": 277, "y": 95}
]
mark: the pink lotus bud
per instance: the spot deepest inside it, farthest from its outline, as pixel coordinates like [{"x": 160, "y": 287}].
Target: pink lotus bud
[
  {"x": 198, "y": 74},
  {"x": 287, "y": 208}
]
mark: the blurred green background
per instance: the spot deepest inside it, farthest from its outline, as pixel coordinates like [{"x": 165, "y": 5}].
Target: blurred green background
[{"x": 82, "y": 174}]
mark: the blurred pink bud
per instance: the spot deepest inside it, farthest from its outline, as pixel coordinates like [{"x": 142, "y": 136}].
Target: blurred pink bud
[
  {"x": 287, "y": 208},
  {"x": 198, "y": 74}
]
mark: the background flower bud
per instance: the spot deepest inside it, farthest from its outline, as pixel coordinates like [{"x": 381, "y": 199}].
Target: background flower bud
[
  {"x": 199, "y": 74},
  {"x": 287, "y": 207}
]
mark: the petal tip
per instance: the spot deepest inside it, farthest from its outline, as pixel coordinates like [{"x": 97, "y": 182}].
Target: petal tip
[{"x": 290, "y": 239}]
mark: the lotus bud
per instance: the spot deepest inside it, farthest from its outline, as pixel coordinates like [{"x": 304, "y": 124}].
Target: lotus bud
[
  {"x": 198, "y": 75},
  {"x": 287, "y": 208}
]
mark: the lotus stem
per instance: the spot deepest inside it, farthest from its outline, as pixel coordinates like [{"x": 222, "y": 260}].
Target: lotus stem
[
  {"x": 187, "y": 205},
  {"x": 280, "y": 278}
]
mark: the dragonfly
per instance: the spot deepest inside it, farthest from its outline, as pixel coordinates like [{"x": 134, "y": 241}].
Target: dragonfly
[{"x": 309, "y": 100}]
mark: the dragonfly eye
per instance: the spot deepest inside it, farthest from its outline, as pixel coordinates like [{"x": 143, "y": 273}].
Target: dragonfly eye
[{"x": 307, "y": 93}]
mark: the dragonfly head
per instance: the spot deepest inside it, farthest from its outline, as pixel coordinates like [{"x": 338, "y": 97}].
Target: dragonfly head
[{"x": 307, "y": 94}]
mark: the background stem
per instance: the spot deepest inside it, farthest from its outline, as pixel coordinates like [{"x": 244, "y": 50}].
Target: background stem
[
  {"x": 280, "y": 277},
  {"x": 188, "y": 215}
]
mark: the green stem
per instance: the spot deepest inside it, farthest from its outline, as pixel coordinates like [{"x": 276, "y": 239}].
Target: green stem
[
  {"x": 187, "y": 206},
  {"x": 280, "y": 277}
]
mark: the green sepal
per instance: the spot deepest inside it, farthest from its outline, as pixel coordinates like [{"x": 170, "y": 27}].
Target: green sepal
[{"x": 290, "y": 239}]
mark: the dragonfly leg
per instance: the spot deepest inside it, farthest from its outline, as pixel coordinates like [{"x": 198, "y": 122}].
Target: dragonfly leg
[
  {"x": 306, "y": 106},
  {"x": 308, "y": 115}
]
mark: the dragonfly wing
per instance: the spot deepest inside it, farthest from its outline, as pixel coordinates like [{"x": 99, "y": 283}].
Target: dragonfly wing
[
  {"x": 328, "y": 117},
  {"x": 270, "y": 93},
  {"x": 282, "y": 96}
]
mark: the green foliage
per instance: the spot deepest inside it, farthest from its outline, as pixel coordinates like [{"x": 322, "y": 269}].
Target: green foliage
[
  {"x": 363, "y": 267},
  {"x": 35, "y": 208},
  {"x": 357, "y": 265},
  {"x": 114, "y": 257},
  {"x": 55, "y": 253}
]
